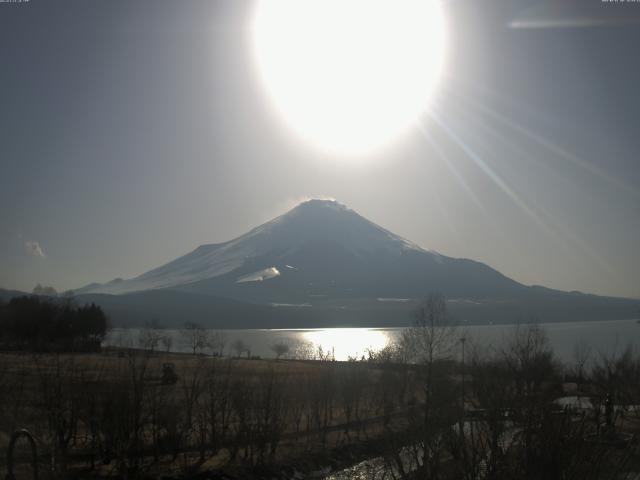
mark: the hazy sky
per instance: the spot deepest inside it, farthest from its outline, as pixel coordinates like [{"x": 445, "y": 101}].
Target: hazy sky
[{"x": 133, "y": 131}]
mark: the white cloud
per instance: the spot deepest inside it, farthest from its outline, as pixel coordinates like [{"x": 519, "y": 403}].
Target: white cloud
[{"x": 33, "y": 248}]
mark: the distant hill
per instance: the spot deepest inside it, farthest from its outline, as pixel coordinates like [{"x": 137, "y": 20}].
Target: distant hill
[
  {"x": 6, "y": 295},
  {"x": 173, "y": 308},
  {"x": 322, "y": 264}
]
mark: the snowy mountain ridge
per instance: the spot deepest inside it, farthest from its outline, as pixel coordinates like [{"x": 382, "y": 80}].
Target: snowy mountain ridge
[{"x": 312, "y": 221}]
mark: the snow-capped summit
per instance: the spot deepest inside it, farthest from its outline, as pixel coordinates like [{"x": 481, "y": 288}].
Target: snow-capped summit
[{"x": 321, "y": 248}]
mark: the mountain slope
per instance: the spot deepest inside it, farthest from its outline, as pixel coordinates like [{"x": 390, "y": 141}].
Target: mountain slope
[
  {"x": 322, "y": 264},
  {"x": 318, "y": 248}
]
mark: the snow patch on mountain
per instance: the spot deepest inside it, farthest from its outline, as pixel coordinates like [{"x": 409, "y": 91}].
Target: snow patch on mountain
[{"x": 260, "y": 276}]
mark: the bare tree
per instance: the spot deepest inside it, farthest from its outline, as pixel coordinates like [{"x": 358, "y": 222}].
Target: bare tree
[
  {"x": 217, "y": 342},
  {"x": 531, "y": 366},
  {"x": 239, "y": 347},
  {"x": 615, "y": 378},
  {"x": 192, "y": 386},
  {"x": 150, "y": 337},
  {"x": 581, "y": 356},
  {"x": 303, "y": 350},
  {"x": 167, "y": 342},
  {"x": 57, "y": 380},
  {"x": 427, "y": 344},
  {"x": 352, "y": 382},
  {"x": 432, "y": 335},
  {"x": 217, "y": 405},
  {"x": 280, "y": 348},
  {"x": 196, "y": 336}
]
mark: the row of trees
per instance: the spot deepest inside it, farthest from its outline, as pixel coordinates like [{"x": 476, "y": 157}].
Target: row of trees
[
  {"x": 200, "y": 340},
  {"x": 39, "y": 323},
  {"x": 499, "y": 415},
  {"x": 502, "y": 422},
  {"x": 117, "y": 410},
  {"x": 494, "y": 415}
]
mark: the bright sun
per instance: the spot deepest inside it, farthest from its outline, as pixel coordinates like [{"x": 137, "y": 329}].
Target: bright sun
[{"x": 349, "y": 75}]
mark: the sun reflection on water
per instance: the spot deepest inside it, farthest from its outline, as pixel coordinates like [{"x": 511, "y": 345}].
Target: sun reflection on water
[{"x": 347, "y": 342}]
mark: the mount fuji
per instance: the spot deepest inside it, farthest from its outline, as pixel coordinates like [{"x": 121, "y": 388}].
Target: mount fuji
[
  {"x": 319, "y": 248},
  {"x": 323, "y": 264}
]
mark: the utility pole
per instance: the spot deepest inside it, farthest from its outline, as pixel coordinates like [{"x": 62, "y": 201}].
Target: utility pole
[
  {"x": 462, "y": 341},
  {"x": 461, "y": 418}
]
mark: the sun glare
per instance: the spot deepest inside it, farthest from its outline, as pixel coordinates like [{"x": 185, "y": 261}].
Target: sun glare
[
  {"x": 349, "y": 75},
  {"x": 345, "y": 342}
]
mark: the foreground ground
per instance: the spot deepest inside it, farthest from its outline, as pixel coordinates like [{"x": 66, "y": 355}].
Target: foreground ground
[{"x": 509, "y": 414}]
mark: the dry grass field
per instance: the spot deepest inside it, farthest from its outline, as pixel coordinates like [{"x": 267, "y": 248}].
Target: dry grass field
[
  {"x": 142, "y": 414},
  {"x": 128, "y": 410}
]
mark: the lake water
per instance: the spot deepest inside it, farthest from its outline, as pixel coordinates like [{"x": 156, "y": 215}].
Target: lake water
[{"x": 602, "y": 337}]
